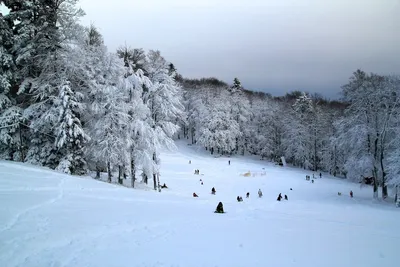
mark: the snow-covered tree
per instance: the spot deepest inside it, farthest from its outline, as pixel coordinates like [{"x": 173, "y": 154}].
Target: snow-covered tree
[
  {"x": 163, "y": 98},
  {"x": 240, "y": 111},
  {"x": 11, "y": 138},
  {"x": 70, "y": 135},
  {"x": 299, "y": 132},
  {"x": 43, "y": 31},
  {"x": 219, "y": 130},
  {"x": 264, "y": 129},
  {"x": 370, "y": 117}
]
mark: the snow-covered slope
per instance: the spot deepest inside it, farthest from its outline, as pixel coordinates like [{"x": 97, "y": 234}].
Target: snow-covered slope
[{"x": 50, "y": 219}]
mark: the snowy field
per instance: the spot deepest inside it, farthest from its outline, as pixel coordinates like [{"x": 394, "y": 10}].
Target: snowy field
[{"x": 50, "y": 219}]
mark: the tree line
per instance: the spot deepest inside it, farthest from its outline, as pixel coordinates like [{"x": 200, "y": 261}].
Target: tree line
[{"x": 68, "y": 103}]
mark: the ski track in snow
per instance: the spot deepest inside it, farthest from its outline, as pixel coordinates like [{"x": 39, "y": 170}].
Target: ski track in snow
[{"x": 14, "y": 221}]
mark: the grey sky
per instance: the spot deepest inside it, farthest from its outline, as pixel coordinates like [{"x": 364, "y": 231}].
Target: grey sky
[{"x": 270, "y": 45}]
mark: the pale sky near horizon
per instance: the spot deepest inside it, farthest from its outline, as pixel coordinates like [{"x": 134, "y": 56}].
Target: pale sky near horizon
[{"x": 274, "y": 46}]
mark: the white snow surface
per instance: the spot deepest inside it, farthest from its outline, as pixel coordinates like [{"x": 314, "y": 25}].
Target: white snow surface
[{"x": 52, "y": 219}]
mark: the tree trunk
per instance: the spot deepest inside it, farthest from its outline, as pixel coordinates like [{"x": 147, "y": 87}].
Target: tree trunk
[
  {"x": 133, "y": 171},
  {"x": 236, "y": 145},
  {"x": 155, "y": 181},
  {"x": 375, "y": 168},
  {"x": 384, "y": 186},
  {"x": 120, "y": 174},
  {"x": 109, "y": 172},
  {"x": 158, "y": 183},
  {"x": 21, "y": 146},
  {"x": 375, "y": 187},
  {"x": 315, "y": 150},
  {"x": 97, "y": 171}
]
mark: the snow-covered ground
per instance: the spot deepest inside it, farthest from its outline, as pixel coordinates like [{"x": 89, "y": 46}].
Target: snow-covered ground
[{"x": 50, "y": 219}]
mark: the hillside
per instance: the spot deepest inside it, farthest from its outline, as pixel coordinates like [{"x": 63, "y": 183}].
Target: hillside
[{"x": 52, "y": 219}]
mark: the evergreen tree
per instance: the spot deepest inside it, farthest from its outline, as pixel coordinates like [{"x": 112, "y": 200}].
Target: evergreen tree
[{"x": 70, "y": 135}]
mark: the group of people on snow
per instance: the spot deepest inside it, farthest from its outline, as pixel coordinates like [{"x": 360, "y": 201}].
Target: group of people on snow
[
  {"x": 351, "y": 193},
  {"x": 280, "y": 197},
  {"x": 240, "y": 199}
]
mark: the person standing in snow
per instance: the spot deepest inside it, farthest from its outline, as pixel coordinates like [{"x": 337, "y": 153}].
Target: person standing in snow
[
  {"x": 279, "y": 197},
  {"x": 260, "y": 194},
  {"x": 351, "y": 193},
  {"x": 213, "y": 191},
  {"x": 229, "y": 162}
]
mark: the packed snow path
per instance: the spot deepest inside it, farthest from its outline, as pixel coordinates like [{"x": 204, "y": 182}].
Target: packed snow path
[{"x": 50, "y": 219}]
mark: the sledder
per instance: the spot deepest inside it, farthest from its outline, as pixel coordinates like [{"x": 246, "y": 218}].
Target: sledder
[{"x": 220, "y": 208}]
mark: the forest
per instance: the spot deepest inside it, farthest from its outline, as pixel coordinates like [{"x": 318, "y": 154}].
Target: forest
[{"x": 69, "y": 104}]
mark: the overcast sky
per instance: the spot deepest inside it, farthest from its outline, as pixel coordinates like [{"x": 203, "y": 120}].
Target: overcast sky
[{"x": 274, "y": 46}]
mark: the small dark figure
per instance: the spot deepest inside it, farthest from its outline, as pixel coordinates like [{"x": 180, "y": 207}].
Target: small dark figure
[
  {"x": 320, "y": 175},
  {"x": 213, "y": 191},
  {"x": 201, "y": 183},
  {"x": 351, "y": 193},
  {"x": 247, "y": 195},
  {"x": 164, "y": 186},
  {"x": 239, "y": 199},
  {"x": 312, "y": 181},
  {"x": 291, "y": 189},
  {"x": 260, "y": 193},
  {"x": 339, "y": 194},
  {"x": 279, "y": 197},
  {"x": 201, "y": 180},
  {"x": 220, "y": 208},
  {"x": 195, "y": 195},
  {"x": 229, "y": 162},
  {"x": 286, "y": 197},
  {"x": 190, "y": 162}
]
